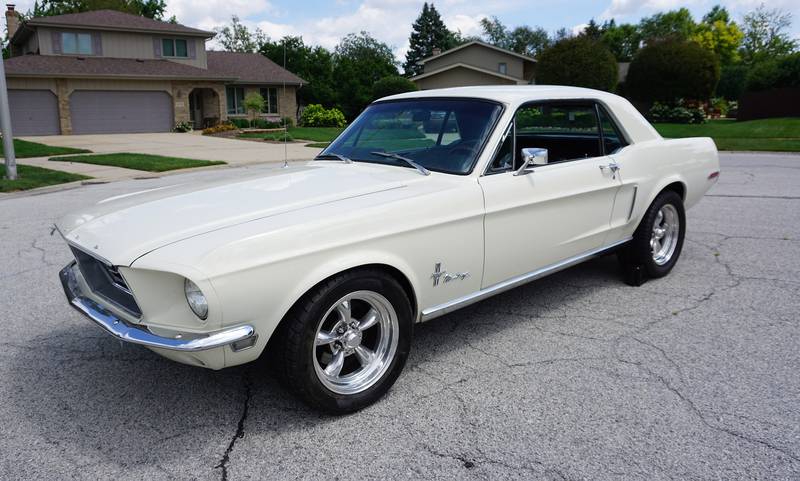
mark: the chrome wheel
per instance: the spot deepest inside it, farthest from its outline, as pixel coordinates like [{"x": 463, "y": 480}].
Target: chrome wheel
[
  {"x": 666, "y": 231},
  {"x": 355, "y": 342}
]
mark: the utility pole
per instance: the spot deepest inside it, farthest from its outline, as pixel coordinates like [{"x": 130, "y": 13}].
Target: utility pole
[{"x": 5, "y": 126}]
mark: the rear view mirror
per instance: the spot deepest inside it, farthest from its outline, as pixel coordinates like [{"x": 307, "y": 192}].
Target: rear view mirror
[{"x": 531, "y": 157}]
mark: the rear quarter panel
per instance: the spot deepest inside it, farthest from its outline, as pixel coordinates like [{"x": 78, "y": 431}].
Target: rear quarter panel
[{"x": 650, "y": 166}]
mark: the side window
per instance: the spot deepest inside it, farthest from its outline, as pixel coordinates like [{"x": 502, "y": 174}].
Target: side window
[
  {"x": 612, "y": 139},
  {"x": 568, "y": 131},
  {"x": 504, "y": 158}
]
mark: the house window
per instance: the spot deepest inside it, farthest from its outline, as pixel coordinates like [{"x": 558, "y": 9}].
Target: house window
[
  {"x": 235, "y": 100},
  {"x": 76, "y": 43},
  {"x": 502, "y": 67},
  {"x": 174, "y": 47},
  {"x": 270, "y": 95}
]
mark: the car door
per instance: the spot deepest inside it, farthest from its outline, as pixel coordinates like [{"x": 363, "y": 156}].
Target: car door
[{"x": 556, "y": 211}]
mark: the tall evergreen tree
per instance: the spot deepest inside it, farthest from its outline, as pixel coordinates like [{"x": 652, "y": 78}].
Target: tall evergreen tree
[{"x": 428, "y": 32}]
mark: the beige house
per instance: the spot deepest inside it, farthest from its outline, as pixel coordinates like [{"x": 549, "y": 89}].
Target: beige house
[
  {"x": 475, "y": 63},
  {"x": 107, "y": 72}
]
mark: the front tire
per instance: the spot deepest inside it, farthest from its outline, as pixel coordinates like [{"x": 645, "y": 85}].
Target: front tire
[
  {"x": 345, "y": 343},
  {"x": 658, "y": 241}
]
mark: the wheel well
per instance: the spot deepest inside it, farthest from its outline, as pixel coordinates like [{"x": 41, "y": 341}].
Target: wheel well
[
  {"x": 678, "y": 188},
  {"x": 395, "y": 273}
]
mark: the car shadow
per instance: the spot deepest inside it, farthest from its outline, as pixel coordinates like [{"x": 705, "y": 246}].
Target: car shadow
[{"x": 85, "y": 389}]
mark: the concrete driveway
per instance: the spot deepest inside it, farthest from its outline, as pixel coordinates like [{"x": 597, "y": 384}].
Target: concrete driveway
[
  {"x": 576, "y": 376},
  {"x": 189, "y": 145}
]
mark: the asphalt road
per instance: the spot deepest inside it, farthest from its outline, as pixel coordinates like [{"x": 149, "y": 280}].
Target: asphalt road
[{"x": 577, "y": 376}]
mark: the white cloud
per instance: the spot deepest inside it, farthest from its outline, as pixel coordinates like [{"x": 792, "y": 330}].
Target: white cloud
[
  {"x": 209, "y": 14},
  {"x": 578, "y": 29}
]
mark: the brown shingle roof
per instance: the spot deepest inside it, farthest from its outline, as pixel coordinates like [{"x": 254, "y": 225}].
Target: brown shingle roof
[
  {"x": 250, "y": 68},
  {"x": 55, "y": 65},
  {"x": 112, "y": 19}
]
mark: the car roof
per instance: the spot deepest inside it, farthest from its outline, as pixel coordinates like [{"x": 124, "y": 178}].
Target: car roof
[
  {"x": 636, "y": 128},
  {"x": 508, "y": 93}
]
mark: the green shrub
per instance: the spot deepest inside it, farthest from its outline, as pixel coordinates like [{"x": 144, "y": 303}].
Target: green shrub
[
  {"x": 266, "y": 124},
  {"x": 286, "y": 121},
  {"x": 392, "y": 85},
  {"x": 776, "y": 73},
  {"x": 672, "y": 69},
  {"x": 678, "y": 112},
  {"x": 721, "y": 105},
  {"x": 182, "y": 127},
  {"x": 240, "y": 123},
  {"x": 315, "y": 115},
  {"x": 580, "y": 61}
]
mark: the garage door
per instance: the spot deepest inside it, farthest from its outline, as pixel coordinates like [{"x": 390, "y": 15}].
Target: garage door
[
  {"x": 33, "y": 112},
  {"x": 108, "y": 112}
]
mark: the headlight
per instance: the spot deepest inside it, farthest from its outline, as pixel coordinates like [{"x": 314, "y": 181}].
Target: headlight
[{"x": 196, "y": 299}]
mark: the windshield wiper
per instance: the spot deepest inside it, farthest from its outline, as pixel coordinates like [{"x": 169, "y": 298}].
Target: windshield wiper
[
  {"x": 422, "y": 170},
  {"x": 344, "y": 159}
]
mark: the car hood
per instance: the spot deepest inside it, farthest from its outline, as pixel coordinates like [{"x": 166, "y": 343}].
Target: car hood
[{"x": 123, "y": 228}]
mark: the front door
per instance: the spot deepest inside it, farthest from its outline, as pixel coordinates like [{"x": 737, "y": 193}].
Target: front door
[{"x": 557, "y": 211}]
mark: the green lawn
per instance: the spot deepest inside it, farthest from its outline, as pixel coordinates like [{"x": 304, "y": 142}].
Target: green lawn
[
  {"x": 318, "y": 145},
  {"x": 150, "y": 163},
  {"x": 315, "y": 134},
  {"x": 29, "y": 177},
  {"x": 23, "y": 149},
  {"x": 776, "y": 135}
]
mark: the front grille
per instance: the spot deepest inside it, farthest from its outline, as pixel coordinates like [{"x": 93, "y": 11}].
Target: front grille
[{"x": 106, "y": 281}]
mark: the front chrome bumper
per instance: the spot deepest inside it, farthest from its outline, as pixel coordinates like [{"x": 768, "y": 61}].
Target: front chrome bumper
[{"x": 134, "y": 334}]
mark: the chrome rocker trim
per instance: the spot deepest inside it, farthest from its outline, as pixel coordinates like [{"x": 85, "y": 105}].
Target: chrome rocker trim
[
  {"x": 134, "y": 334},
  {"x": 448, "y": 307}
]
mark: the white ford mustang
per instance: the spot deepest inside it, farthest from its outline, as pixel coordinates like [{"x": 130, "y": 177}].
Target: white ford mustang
[{"x": 428, "y": 202}]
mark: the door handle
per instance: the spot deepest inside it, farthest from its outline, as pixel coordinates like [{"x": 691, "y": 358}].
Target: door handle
[{"x": 612, "y": 167}]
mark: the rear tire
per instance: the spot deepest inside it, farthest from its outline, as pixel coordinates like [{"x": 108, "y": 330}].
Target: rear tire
[
  {"x": 658, "y": 241},
  {"x": 343, "y": 345}
]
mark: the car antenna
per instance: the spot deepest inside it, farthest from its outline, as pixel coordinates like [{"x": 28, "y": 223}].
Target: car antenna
[{"x": 285, "y": 130}]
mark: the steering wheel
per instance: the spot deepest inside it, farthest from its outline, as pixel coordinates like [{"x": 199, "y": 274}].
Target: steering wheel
[{"x": 467, "y": 146}]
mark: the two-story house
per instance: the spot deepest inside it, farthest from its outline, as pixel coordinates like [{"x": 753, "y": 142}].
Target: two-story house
[
  {"x": 475, "y": 63},
  {"x": 106, "y": 71}
]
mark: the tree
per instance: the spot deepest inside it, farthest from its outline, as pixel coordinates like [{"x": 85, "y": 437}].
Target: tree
[
  {"x": 732, "y": 81},
  {"x": 592, "y": 30},
  {"x": 775, "y": 73},
  {"x": 392, "y": 85},
  {"x": 720, "y": 35},
  {"x": 528, "y": 41},
  {"x": 495, "y": 32},
  {"x": 765, "y": 34},
  {"x": 154, "y": 9},
  {"x": 522, "y": 40},
  {"x": 580, "y": 61},
  {"x": 427, "y": 32},
  {"x": 672, "y": 69},
  {"x": 623, "y": 40},
  {"x": 675, "y": 24},
  {"x": 359, "y": 62},
  {"x": 312, "y": 64},
  {"x": 254, "y": 104},
  {"x": 236, "y": 37}
]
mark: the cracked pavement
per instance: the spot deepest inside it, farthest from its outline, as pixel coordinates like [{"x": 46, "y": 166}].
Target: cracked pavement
[{"x": 575, "y": 376}]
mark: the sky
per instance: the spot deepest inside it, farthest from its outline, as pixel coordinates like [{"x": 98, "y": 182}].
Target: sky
[{"x": 325, "y": 22}]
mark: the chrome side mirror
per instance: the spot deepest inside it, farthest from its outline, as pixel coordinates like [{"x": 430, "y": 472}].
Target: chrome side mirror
[{"x": 531, "y": 157}]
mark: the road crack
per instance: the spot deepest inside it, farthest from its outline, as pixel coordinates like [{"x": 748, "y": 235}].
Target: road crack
[{"x": 226, "y": 457}]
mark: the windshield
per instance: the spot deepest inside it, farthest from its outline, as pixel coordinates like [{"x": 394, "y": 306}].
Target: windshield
[{"x": 443, "y": 135}]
